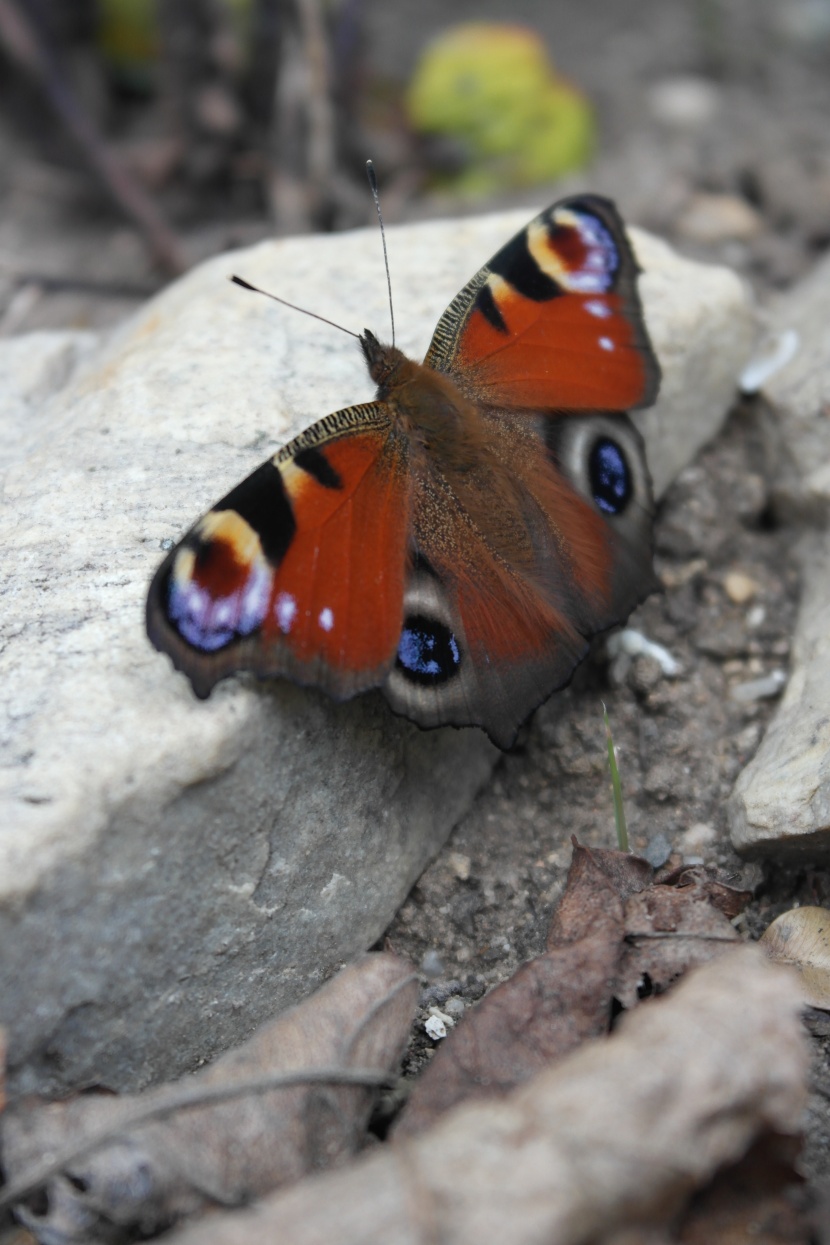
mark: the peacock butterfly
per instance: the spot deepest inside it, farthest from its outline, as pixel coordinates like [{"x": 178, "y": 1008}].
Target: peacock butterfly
[{"x": 459, "y": 539}]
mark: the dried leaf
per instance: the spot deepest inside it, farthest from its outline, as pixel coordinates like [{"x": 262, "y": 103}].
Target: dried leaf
[
  {"x": 727, "y": 899},
  {"x": 753, "y": 1200},
  {"x": 672, "y": 927},
  {"x": 549, "y": 1006},
  {"x": 148, "y": 1175},
  {"x": 801, "y": 938},
  {"x": 618, "y": 1134}
]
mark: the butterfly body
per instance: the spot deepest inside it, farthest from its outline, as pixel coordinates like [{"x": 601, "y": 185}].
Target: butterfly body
[{"x": 459, "y": 539}]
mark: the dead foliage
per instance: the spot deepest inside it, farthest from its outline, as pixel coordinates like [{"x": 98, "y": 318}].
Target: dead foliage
[
  {"x": 616, "y": 935},
  {"x": 227, "y": 1134},
  {"x": 607, "y": 1145},
  {"x": 801, "y": 938},
  {"x": 614, "y": 1137}
]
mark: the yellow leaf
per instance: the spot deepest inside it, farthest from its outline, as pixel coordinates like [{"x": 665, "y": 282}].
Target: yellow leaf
[{"x": 801, "y": 938}]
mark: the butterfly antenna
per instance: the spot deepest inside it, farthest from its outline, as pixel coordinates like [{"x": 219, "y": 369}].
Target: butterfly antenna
[
  {"x": 246, "y": 285},
  {"x": 373, "y": 183}
]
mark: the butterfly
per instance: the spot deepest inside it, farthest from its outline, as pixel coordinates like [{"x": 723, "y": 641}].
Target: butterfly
[{"x": 458, "y": 540}]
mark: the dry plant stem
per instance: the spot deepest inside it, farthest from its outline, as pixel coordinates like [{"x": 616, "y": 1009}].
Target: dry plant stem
[
  {"x": 20, "y": 41},
  {"x": 318, "y": 104},
  {"x": 618, "y": 1134}
]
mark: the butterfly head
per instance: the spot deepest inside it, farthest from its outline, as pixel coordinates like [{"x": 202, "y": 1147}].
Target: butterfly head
[{"x": 384, "y": 362}]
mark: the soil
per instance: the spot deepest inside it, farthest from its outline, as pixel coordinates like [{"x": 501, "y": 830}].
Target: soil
[{"x": 68, "y": 260}]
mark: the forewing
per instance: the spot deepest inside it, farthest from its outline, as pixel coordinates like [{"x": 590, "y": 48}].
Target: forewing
[
  {"x": 553, "y": 321},
  {"x": 300, "y": 570}
]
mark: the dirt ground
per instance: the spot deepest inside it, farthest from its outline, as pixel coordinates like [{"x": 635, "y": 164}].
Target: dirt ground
[{"x": 483, "y": 906}]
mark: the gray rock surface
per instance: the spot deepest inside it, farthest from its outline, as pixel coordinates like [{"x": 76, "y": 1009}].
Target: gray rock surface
[
  {"x": 799, "y": 430},
  {"x": 781, "y": 802},
  {"x": 173, "y": 871}
]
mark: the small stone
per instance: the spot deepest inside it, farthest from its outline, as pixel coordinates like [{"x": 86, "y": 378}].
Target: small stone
[
  {"x": 431, "y": 963},
  {"x": 436, "y": 1028},
  {"x": 685, "y": 102},
  {"x": 658, "y": 850},
  {"x": 460, "y": 865},
  {"x": 765, "y": 688},
  {"x": 740, "y": 587},
  {"x": 725, "y": 642},
  {"x": 699, "y": 836},
  {"x": 712, "y": 218},
  {"x": 455, "y": 1007},
  {"x": 645, "y": 674},
  {"x": 677, "y": 576}
]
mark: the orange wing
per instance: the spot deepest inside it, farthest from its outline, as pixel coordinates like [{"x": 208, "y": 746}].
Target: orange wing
[
  {"x": 300, "y": 570},
  {"x": 553, "y": 321}
]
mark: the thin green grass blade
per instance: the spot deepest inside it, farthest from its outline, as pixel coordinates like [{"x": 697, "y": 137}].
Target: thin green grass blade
[{"x": 616, "y": 787}]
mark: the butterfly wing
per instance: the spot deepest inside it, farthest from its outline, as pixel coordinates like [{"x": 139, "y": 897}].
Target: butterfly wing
[
  {"x": 553, "y": 321},
  {"x": 548, "y": 541},
  {"x": 300, "y": 570},
  {"x": 521, "y": 569}
]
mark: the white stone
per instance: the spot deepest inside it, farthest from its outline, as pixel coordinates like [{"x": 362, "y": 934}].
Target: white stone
[
  {"x": 781, "y": 801},
  {"x": 798, "y": 429},
  {"x": 172, "y": 871}
]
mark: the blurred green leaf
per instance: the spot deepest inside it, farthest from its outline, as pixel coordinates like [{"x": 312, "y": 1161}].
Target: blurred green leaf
[{"x": 493, "y": 89}]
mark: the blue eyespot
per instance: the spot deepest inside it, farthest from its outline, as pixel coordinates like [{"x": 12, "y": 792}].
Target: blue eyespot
[
  {"x": 610, "y": 476},
  {"x": 428, "y": 652}
]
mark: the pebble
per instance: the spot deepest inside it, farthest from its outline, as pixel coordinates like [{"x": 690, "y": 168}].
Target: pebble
[
  {"x": 685, "y": 102},
  {"x": 460, "y": 865},
  {"x": 658, "y": 850},
  {"x": 760, "y": 689},
  {"x": 740, "y": 587},
  {"x": 431, "y": 963},
  {"x": 711, "y": 218},
  {"x": 697, "y": 838}
]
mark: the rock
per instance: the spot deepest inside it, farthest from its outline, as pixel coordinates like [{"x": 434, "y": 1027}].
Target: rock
[
  {"x": 685, "y": 102},
  {"x": 714, "y": 218},
  {"x": 740, "y": 587},
  {"x": 781, "y": 801},
  {"x": 34, "y": 367},
  {"x": 172, "y": 872},
  {"x": 698, "y": 335},
  {"x": 798, "y": 428}
]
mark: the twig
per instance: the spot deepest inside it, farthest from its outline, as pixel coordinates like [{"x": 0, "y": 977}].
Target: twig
[
  {"x": 679, "y": 933},
  {"x": 22, "y": 44},
  {"x": 167, "y": 1102},
  {"x": 318, "y": 102}
]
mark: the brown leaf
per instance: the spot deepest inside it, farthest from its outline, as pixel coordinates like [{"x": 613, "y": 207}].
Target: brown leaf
[
  {"x": 754, "y": 1200},
  {"x": 727, "y": 899},
  {"x": 149, "y": 1174},
  {"x": 801, "y": 938},
  {"x": 549, "y": 1006},
  {"x": 620, "y": 1133},
  {"x": 672, "y": 927}
]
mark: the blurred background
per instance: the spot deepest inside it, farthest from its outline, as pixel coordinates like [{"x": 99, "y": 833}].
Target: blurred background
[{"x": 139, "y": 136}]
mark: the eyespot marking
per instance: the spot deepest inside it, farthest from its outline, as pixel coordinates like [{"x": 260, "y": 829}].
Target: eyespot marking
[
  {"x": 610, "y": 476},
  {"x": 428, "y": 652},
  {"x": 210, "y": 618}
]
